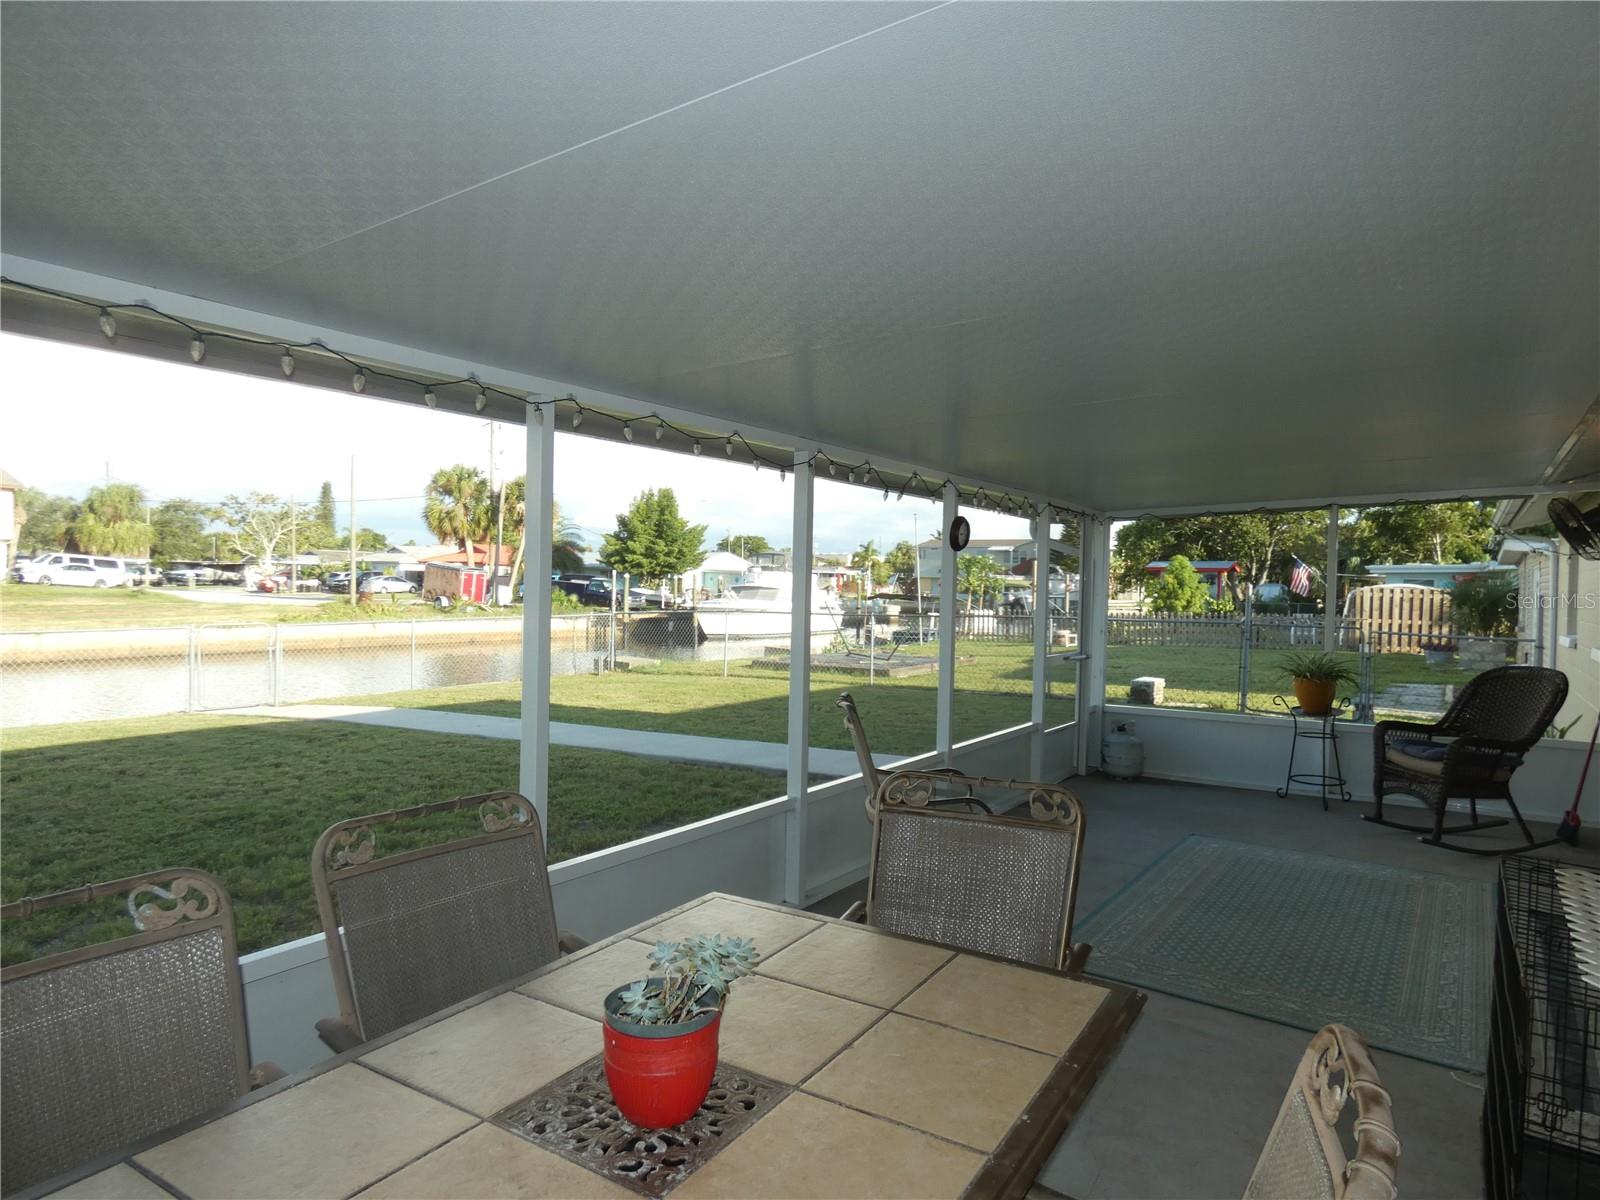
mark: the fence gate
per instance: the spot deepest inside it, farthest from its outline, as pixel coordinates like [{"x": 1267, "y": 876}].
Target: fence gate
[
  {"x": 233, "y": 666},
  {"x": 1396, "y": 618}
]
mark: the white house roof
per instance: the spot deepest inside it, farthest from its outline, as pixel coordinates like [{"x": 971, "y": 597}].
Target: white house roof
[{"x": 1135, "y": 255}]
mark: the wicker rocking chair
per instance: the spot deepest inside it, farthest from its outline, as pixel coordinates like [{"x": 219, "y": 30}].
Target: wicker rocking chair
[{"x": 1469, "y": 754}]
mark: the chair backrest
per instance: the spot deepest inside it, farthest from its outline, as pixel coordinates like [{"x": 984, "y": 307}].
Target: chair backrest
[
  {"x": 1507, "y": 704},
  {"x": 998, "y": 885},
  {"x": 870, "y": 775},
  {"x": 117, "y": 1041},
  {"x": 426, "y": 928},
  {"x": 1303, "y": 1156}
]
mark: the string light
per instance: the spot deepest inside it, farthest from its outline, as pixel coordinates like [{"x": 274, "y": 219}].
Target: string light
[
  {"x": 783, "y": 475},
  {"x": 977, "y": 496}
]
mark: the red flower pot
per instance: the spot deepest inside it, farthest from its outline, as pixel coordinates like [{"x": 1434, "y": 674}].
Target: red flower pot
[{"x": 659, "y": 1074}]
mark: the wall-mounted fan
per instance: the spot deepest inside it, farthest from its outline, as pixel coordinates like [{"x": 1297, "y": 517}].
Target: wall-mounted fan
[{"x": 1580, "y": 527}]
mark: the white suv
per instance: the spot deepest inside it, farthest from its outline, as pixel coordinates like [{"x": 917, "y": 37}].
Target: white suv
[{"x": 73, "y": 570}]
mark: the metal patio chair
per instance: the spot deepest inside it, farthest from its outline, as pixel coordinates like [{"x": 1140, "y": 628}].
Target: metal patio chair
[
  {"x": 121, "y": 1040},
  {"x": 1469, "y": 754},
  {"x": 1304, "y": 1157},
  {"x": 424, "y": 929},
  {"x": 998, "y": 885},
  {"x": 872, "y": 777}
]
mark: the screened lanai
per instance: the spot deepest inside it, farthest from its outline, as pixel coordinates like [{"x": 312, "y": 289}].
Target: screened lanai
[{"x": 1064, "y": 264}]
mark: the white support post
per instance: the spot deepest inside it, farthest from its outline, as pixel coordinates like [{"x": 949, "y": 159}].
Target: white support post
[
  {"x": 1041, "y": 632},
  {"x": 1330, "y": 585},
  {"x": 1094, "y": 597},
  {"x": 794, "y": 873},
  {"x": 945, "y": 719},
  {"x": 534, "y": 772}
]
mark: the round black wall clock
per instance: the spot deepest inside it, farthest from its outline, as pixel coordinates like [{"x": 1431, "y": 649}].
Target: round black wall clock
[{"x": 960, "y": 534}]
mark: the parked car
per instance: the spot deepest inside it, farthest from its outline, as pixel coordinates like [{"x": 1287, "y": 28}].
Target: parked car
[
  {"x": 575, "y": 585},
  {"x": 77, "y": 575},
  {"x": 281, "y": 582},
  {"x": 337, "y": 581},
  {"x": 596, "y": 593},
  {"x": 191, "y": 576},
  {"x": 379, "y": 585},
  {"x": 54, "y": 567},
  {"x": 146, "y": 574}
]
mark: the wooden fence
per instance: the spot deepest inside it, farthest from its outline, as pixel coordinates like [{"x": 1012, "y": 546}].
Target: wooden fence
[{"x": 1399, "y": 618}]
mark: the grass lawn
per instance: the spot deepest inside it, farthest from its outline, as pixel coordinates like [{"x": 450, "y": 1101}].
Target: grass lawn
[
  {"x": 246, "y": 799},
  {"x": 992, "y": 692},
  {"x": 26, "y": 607}
]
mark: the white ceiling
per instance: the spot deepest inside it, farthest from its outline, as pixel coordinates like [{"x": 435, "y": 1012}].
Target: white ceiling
[{"x": 1140, "y": 255}]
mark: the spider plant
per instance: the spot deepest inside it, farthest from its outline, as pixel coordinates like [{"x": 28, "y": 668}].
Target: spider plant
[{"x": 1318, "y": 667}]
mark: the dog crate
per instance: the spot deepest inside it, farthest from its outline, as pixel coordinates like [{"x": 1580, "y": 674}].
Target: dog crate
[{"x": 1541, "y": 1107}]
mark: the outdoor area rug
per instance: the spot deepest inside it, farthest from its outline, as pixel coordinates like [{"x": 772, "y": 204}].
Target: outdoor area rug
[{"x": 1401, "y": 956}]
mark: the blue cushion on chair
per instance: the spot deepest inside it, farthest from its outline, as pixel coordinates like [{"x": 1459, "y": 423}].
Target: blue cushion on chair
[{"x": 1431, "y": 751}]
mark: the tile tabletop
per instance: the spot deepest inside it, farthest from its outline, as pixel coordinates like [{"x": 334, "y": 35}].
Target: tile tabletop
[{"x": 896, "y": 1068}]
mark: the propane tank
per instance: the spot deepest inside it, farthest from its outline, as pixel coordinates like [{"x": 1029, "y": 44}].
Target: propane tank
[{"x": 1121, "y": 752}]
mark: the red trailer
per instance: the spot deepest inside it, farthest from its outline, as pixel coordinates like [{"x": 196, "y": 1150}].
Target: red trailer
[{"x": 455, "y": 582}]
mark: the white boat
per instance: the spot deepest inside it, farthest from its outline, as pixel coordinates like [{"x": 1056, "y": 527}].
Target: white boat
[{"x": 759, "y": 605}]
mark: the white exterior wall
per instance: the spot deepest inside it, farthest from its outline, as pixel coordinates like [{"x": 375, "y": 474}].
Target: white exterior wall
[
  {"x": 1234, "y": 750},
  {"x": 1577, "y": 652}
]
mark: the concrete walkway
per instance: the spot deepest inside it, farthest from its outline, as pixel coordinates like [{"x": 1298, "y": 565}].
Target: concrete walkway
[{"x": 679, "y": 747}]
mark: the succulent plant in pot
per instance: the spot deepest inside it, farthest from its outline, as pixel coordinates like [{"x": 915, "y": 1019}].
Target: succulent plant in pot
[
  {"x": 1316, "y": 677},
  {"x": 661, "y": 1031}
]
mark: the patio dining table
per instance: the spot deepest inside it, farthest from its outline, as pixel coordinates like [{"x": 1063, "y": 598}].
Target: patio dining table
[{"x": 853, "y": 1063}]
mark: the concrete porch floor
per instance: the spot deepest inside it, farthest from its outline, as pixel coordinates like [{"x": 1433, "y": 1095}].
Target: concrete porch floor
[{"x": 1186, "y": 1105}]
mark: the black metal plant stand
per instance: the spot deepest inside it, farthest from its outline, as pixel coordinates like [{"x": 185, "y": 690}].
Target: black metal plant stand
[{"x": 1316, "y": 729}]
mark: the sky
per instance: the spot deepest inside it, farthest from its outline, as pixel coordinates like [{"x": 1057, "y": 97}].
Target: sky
[{"x": 72, "y": 417}]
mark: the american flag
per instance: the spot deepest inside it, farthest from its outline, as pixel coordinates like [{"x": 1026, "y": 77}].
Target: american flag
[{"x": 1300, "y": 579}]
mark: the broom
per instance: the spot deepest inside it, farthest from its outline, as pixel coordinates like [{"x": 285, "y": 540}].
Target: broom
[{"x": 1567, "y": 831}]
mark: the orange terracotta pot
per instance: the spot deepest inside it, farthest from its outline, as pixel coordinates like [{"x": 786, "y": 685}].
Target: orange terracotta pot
[{"x": 1315, "y": 696}]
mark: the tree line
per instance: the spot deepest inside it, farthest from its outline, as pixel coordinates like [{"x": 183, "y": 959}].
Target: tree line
[
  {"x": 1266, "y": 544},
  {"x": 119, "y": 520}
]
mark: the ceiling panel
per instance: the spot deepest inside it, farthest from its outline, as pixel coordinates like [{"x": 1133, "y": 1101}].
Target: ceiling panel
[{"x": 1140, "y": 255}]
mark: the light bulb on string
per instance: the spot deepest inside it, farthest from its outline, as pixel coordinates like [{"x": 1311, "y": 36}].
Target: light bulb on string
[
  {"x": 627, "y": 430},
  {"x": 697, "y": 446},
  {"x": 661, "y": 427},
  {"x": 577, "y": 417},
  {"x": 108, "y": 323},
  {"x": 287, "y": 363},
  {"x": 852, "y": 476},
  {"x": 358, "y": 381},
  {"x": 727, "y": 444},
  {"x": 538, "y": 414},
  {"x": 429, "y": 398},
  {"x": 783, "y": 475},
  {"x": 833, "y": 468},
  {"x": 480, "y": 401},
  {"x": 197, "y": 348}
]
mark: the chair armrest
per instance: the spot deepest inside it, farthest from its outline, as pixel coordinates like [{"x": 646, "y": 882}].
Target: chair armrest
[
  {"x": 857, "y": 913},
  {"x": 1383, "y": 728},
  {"x": 1076, "y": 957},
  {"x": 336, "y": 1035},
  {"x": 569, "y": 942},
  {"x": 264, "y": 1073}
]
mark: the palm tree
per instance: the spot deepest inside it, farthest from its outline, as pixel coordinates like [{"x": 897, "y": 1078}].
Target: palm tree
[
  {"x": 566, "y": 548},
  {"x": 457, "y": 506}
]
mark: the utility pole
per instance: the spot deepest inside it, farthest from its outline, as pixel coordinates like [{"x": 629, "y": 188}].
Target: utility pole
[
  {"x": 916, "y": 557},
  {"x": 294, "y": 550},
  {"x": 352, "y": 529}
]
